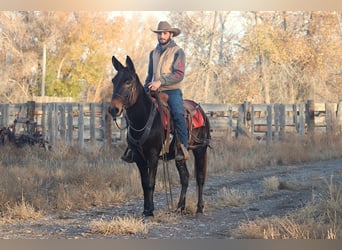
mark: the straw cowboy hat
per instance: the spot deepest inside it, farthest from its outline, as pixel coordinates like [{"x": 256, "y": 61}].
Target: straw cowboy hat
[{"x": 165, "y": 26}]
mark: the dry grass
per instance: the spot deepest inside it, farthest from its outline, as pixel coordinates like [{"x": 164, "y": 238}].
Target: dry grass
[
  {"x": 270, "y": 184},
  {"x": 70, "y": 178},
  {"x": 284, "y": 228},
  {"x": 244, "y": 154},
  {"x": 119, "y": 225},
  {"x": 21, "y": 211},
  {"x": 322, "y": 219},
  {"x": 233, "y": 197},
  {"x": 164, "y": 215},
  {"x": 65, "y": 179}
]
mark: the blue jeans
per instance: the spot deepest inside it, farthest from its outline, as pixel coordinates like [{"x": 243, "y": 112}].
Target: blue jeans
[{"x": 176, "y": 105}]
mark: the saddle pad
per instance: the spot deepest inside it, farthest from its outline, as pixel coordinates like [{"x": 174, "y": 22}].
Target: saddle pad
[
  {"x": 193, "y": 109},
  {"x": 197, "y": 119},
  {"x": 190, "y": 107},
  {"x": 162, "y": 111}
]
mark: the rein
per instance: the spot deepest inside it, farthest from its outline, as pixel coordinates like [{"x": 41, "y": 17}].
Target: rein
[
  {"x": 146, "y": 128},
  {"x": 151, "y": 116},
  {"x": 117, "y": 125},
  {"x": 166, "y": 173}
]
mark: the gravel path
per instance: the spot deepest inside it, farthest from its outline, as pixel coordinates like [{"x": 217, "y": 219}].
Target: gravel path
[{"x": 299, "y": 184}]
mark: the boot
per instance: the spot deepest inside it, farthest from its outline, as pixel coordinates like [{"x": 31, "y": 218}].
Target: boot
[
  {"x": 128, "y": 156},
  {"x": 182, "y": 153},
  {"x": 180, "y": 156}
]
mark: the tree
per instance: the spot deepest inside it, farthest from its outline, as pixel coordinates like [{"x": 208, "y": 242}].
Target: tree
[
  {"x": 280, "y": 56},
  {"x": 288, "y": 57},
  {"x": 18, "y": 72},
  {"x": 207, "y": 51}
]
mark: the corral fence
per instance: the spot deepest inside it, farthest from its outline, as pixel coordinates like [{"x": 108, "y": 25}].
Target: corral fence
[{"x": 84, "y": 123}]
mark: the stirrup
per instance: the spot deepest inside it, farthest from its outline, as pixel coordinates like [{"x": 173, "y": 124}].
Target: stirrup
[{"x": 128, "y": 156}]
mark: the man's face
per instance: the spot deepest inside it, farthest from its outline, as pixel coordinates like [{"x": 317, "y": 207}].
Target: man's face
[{"x": 164, "y": 37}]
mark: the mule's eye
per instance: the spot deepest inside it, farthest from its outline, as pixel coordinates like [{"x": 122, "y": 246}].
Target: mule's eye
[{"x": 128, "y": 82}]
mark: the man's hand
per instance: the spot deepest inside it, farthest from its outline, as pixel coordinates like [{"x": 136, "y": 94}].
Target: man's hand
[{"x": 154, "y": 85}]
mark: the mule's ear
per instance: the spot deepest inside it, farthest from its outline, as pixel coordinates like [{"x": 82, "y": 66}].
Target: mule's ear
[
  {"x": 130, "y": 64},
  {"x": 117, "y": 65}
]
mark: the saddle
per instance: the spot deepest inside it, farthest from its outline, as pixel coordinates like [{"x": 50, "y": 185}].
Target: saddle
[{"x": 193, "y": 116}]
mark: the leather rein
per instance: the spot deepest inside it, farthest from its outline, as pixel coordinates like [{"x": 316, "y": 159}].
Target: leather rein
[{"x": 146, "y": 129}]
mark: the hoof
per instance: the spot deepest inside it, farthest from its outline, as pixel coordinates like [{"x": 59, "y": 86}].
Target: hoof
[
  {"x": 179, "y": 210},
  {"x": 199, "y": 215},
  {"x": 147, "y": 214},
  {"x": 199, "y": 210}
]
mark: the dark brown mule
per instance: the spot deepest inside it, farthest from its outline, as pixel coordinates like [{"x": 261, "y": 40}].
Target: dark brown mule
[{"x": 146, "y": 135}]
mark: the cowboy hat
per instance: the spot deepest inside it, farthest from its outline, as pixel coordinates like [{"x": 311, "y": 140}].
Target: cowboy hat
[{"x": 165, "y": 26}]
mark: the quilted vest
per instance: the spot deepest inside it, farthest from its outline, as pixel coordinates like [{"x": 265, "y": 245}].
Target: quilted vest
[{"x": 162, "y": 65}]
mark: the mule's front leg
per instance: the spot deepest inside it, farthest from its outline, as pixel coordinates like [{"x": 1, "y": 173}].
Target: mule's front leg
[
  {"x": 148, "y": 176},
  {"x": 184, "y": 180}
]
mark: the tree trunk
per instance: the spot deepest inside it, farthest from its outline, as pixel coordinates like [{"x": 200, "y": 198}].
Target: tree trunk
[{"x": 209, "y": 90}]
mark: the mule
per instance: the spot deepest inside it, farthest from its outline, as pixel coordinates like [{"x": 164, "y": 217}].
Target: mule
[{"x": 146, "y": 135}]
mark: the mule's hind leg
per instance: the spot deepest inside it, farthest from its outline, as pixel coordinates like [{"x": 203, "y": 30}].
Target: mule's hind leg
[
  {"x": 184, "y": 180},
  {"x": 200, "y": 155}
]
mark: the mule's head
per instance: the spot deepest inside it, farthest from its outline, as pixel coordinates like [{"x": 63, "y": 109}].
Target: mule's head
[{"x": 125, "y": 87}]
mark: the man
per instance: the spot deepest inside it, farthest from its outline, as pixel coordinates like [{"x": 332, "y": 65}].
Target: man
[{"x": 165, "y": 73}]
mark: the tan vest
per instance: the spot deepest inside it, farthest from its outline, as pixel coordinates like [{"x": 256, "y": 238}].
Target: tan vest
[{"x": 162, "y": 65}]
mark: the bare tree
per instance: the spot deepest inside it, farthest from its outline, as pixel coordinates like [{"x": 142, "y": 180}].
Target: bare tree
[{"x": 207, "y": 45}]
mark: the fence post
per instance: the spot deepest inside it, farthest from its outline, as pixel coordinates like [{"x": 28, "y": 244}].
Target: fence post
[
  {"x": 276, "y": 121},
  {"x": 339, "y": 116},
  {"x": 108, "y": 128},
  {"x": 269, "y": 124},
  {"x": 80, "y": 125},
  {"x": 239, "y": 121},
  {"x": 70, "y": 122},
  {"x": 331, "y": 116},
  {"x": 301, "y": 119},
  {"x": 43, "y": 120},
  {"x": 241, "y": 128},
  {"x": 230, "y": 122},
  {"x": 295, "y": 116},
  {"x": 30, "y": 115},
  {"x": 282, "y": 121},
  {"x": 51, "y": 127},
  {"x": 4, "y": 115},
  {"x": 310, "y": 116},
  {"x": 252, "y": 114},
  {"x": 92, "y": 123},
  {"x": 55, "y": 121},
  {"x": 61, "y": 108}
]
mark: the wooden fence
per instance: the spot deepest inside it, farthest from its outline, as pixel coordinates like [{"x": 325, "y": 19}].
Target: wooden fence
[
  {"x": 273, "y": 121},
  {"x": 89, "y": 122}
]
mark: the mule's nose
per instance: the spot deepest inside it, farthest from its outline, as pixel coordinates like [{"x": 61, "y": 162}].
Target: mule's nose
[{"x": 113, "y": 111}]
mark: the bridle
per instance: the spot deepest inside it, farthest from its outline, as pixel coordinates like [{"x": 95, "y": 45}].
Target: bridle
[{"x": 131, "y": 99}]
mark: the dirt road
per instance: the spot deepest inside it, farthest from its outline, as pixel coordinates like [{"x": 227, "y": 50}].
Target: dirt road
[{"x": 299, "y": 184}]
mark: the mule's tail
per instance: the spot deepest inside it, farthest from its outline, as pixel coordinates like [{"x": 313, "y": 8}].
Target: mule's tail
[{"x": 207, "y": 126}]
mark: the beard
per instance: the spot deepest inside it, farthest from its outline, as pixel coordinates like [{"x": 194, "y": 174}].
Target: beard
[{"x": 164, "y": 41}]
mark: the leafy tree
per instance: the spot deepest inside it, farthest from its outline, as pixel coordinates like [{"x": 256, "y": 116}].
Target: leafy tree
[
  {"x": 286, "y": 62},
  {"x": 280, "y": 56}
]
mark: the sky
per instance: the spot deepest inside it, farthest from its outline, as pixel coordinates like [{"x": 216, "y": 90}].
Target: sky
[
  {"x": 160, "y": 15},
  {"x": 235, "y": 23}
]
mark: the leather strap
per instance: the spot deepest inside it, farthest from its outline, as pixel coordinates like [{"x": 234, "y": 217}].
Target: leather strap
[{"x": 147, "y": 130}]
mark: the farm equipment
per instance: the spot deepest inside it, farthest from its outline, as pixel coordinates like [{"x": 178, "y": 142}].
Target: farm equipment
[{"x": 23, "y": 132}]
